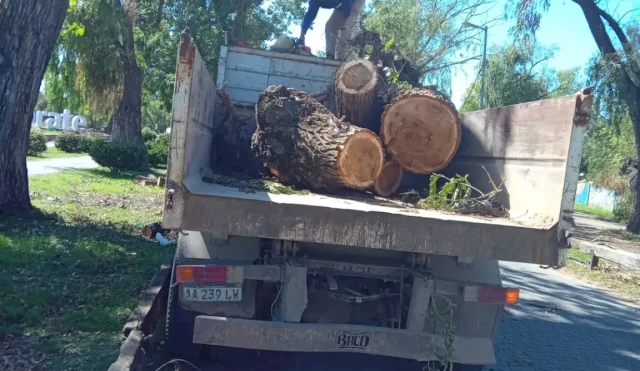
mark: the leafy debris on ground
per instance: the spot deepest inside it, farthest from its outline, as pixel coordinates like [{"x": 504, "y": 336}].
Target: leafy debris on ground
[{"x": 19, "y": 353}]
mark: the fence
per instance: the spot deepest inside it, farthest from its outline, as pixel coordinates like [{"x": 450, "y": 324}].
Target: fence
[{"x": 590, "y": 195}]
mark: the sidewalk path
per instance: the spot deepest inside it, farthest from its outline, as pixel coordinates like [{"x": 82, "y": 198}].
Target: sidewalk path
[{"x": 56, "y": 165}]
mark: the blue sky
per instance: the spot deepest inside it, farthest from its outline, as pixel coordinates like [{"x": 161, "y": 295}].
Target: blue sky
[{"x": 563, "y": 25}]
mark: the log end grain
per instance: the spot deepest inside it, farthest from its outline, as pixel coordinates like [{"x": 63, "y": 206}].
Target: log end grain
[
  {"x": 360, "y": 160},
  {"x": 389, "y": 179},
  {"x": 355, "y": 87},
  {"x": 421, "y": 130},
  {"x": 357, "y": 77}
]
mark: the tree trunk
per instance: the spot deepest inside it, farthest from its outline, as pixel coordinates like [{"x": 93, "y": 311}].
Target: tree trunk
[
  {"x": 303, "y": 143},
  {"x": 421, "y": 130},
  {"x": 356, "y": 84},
  {"x": 633, "y": 225},
  {"x": 127, "y": 119},
  {"x": 628, "y": 86},
  {"x": 28, "y": 32},
  {"x": 389, "y": 179}
]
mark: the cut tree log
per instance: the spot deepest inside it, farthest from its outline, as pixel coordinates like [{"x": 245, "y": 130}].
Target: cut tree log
[
  {"x": 421, "y": 130},
  {"x": 389, "y": 179},
  {"x": 303, "y": 143},
  {"x": 356, "y": 83}
]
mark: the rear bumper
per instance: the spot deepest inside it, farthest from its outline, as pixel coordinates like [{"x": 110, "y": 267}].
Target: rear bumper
[{"x": 311, "y": 337}]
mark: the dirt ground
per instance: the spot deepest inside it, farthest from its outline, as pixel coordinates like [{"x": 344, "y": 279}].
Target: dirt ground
[{"x": 602, "y": 232}]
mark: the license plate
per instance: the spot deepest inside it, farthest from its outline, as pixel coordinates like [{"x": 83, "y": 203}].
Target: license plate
[{"x": 212, "y": 293}]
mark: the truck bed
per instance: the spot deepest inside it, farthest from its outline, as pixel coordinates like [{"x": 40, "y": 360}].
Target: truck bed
[{"x": 535, "y": 148}]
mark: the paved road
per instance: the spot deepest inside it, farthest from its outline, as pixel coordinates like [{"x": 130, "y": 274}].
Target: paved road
[
  {"x": 565, "y": 324},
  {"x": 560, "y": 324},
  {"x": 56, "y": 165}
]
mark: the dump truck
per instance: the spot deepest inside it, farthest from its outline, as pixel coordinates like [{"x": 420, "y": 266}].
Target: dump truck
[{"x": 315, "y": 272}]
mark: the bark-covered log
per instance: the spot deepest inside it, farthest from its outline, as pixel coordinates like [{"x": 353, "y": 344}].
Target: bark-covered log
[
  {"x": 421, "y": 130},
  {"x": 356, "y": 84},
  {"x": 28, "y": 33},
  {"x": 389, "y": 179},
  {"x": 303, "y": 143}
]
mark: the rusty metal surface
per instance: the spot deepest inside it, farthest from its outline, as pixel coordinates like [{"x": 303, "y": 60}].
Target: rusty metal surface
[{"x": 382, "y": 229}]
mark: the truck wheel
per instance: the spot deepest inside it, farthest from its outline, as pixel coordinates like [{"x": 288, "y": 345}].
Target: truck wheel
[{"x": 179, "y": 327}]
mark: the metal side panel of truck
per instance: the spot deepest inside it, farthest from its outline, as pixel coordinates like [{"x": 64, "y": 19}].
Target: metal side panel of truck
[{"x": 322, "y": 273}]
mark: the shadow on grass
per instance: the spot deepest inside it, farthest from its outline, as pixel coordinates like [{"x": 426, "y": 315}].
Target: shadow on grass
[{"x": 60, "y": 278}]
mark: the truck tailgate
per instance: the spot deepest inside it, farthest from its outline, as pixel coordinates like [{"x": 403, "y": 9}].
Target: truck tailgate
[{"x": 535, "y": 148}]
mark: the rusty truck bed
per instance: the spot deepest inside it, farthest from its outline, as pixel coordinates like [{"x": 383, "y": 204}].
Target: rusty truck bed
[{"x": 535, "y": 148}]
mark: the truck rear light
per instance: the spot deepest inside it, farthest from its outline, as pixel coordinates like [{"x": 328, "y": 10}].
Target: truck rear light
[
  {"x": 200, "y": 274},
  {"x": 489, "y": 294},
  {"x": 208, "y": 274}
]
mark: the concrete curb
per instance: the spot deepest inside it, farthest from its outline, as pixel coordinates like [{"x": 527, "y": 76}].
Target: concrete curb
[
  {"x": 144, "y": 319},
  {"x": 622, "y": 257}
]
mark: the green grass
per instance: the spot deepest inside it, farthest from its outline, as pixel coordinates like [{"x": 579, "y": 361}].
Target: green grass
[
  {"x": 53, "y": 152},
  {"x": 606, "y": 275},
  {"x": 73, "y": 269},
  {"x": 594, "y": 210}
]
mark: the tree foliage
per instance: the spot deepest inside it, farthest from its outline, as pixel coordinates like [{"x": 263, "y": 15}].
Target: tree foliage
[
  {"x": 86, "y": 74},
  {"x": 518, "y": 73},
  {"x": 428, "y": 33}
]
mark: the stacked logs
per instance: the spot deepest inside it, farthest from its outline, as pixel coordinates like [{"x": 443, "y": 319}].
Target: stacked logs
[{"x": 303, "y": 143}]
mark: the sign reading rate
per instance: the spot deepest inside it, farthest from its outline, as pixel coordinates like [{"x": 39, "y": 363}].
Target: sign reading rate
[{"x": 54, "y": 120}]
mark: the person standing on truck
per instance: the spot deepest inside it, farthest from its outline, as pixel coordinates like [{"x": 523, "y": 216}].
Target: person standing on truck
[{"x": 339, "y": 26}]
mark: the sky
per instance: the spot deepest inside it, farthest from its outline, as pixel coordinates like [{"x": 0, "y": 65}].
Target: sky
[{"x": 563, "y": 25}]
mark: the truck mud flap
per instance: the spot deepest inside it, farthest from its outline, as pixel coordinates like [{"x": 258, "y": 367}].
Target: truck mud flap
[{"x": 310, "y": 337}]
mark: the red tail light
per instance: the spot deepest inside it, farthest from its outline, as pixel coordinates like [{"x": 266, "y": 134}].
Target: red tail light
[
  {"x": 201, "y": 274},
  {"x": 489, "y": 294}
]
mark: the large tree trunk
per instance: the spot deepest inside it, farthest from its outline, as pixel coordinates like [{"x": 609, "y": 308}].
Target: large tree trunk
[
  {"x": 303, "y": 143},
  {"x": 633, "y": 224},
  {"x": 28, "y": 32},
  {"x": 421, "y": 130},
  {"x": 127, "y": 119}
]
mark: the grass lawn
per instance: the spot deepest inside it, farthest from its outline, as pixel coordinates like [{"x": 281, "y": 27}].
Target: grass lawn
[
  {"x": 73, "y": 269},
  {"x": 606, "y": 275},
  {"x": 594, "y": 210},
  {"x": 53, "y": 152}
]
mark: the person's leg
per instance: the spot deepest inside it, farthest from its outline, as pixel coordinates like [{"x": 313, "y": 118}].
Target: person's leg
[
  {"x": 331, "y": 31},
  {"x": 347, "y": 28}
]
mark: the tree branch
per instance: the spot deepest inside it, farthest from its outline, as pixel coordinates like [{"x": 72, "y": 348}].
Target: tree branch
[
  {"x": 626, "y": 45},
  {"x": 452, "y": 64}
]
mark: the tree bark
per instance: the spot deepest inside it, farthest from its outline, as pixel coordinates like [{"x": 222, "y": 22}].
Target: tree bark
[
  {"x": 356, "y": 84},
  {"x": 127, "y": 119},
  {"x": 629, "y": 86},
  {"x": 389, "y": 179},
  {"x": 28, "y": 32},
  {"x": 303, "y": 143},
  {"x": 421, "y": 130}
]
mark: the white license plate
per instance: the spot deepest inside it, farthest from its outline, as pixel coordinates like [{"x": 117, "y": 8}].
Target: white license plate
[{"x": 212, "y": 293}]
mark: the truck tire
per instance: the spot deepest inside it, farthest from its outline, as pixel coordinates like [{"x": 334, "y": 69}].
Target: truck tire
[{"x": 179, "y": 326}]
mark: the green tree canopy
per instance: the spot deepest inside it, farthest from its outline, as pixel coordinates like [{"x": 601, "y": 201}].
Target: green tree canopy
[{"x": 518, "y": 73}]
